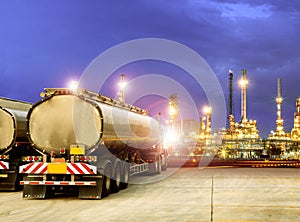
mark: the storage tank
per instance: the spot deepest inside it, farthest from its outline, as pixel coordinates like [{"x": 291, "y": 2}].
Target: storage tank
[
  {"x": 12, "y": 122},
  {"x": 66, "y": 117}
]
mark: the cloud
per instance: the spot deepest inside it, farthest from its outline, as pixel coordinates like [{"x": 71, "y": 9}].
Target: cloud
[
  {"x": 45, "y": 42},
  {"x": 242, "y": 10}
]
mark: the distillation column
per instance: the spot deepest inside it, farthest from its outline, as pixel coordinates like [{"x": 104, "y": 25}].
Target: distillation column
[
  {"x": 279, "y": 121},
  {"x": 208, "y": 122},
  {"x": 202, "y": 128},
  {"x": 296, "y": 130},
  {"x": 244, "y": 83},
  {"x": 122, "y": 85}
]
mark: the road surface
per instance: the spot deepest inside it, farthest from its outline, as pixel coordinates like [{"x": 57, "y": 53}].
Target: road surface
[{"x": 186, "y": 194}]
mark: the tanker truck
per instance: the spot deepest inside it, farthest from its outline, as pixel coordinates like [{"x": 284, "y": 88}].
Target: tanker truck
[
  {"x": 90, "y": 144},
  {"x": 14, "y": 144}
]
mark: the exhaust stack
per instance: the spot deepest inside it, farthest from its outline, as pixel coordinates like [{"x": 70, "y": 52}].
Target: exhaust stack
[
  {"x": 230, "y": 93},
  {"x": 231, "y": 116}
]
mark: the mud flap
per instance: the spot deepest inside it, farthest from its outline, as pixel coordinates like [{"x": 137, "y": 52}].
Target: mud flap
[
  {"x": 34, "y": 191},
  {"x": 91, "y": 192}
]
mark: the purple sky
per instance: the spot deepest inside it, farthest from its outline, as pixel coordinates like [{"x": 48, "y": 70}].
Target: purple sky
[{"x": 47, "y": 43}]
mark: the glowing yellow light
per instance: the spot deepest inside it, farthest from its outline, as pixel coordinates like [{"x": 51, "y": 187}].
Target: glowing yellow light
[
  {"x": 122, "y": 84},
  {"x": 73, "y": 84},
  {"x": 207, "y": 109},
  {"x": 172, "y": 111},
  {"x": 171, "y": 137},
  {"x": 223, "y": 153},
  {"x": 243, "y": 82},
  {"x": 279, "y": 99}
]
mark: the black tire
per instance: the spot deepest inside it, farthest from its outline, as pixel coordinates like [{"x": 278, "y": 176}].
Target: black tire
[
  {"x": 155, "y": 167},
  {"x": 116, "y": 183},
  {"x": 106, "y": 189},
  {"x": 125, "y": 176},
  {"x": 164, "y": 167},
  {"x": 158, "y": 165}
]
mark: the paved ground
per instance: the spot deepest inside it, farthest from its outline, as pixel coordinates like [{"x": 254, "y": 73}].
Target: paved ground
[{"x": 187, "y": 194}]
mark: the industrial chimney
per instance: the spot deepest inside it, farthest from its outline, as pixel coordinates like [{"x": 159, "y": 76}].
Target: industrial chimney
[
  {"x": 230, "y": 115},
  {"x": 230, "y": 93}
]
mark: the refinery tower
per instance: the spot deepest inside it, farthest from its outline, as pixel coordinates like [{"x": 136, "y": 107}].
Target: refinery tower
[
  {"x": 295, "y": 133},
  {"x": 279, "y": 133},
  {"x": 245, "y": 129}
]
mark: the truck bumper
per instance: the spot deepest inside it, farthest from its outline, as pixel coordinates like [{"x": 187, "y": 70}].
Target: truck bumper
[
  {"x": 59, "y": 183},
  {"x": 37, "y": 188}
]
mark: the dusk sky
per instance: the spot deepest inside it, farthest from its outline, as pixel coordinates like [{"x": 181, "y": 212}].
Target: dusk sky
[{"x": 47, "y": 43}]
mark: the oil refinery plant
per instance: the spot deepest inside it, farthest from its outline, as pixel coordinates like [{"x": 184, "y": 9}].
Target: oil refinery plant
[{"x": 241, "y": 140}]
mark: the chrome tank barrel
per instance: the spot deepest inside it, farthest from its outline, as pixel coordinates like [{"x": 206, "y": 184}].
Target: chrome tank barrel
[
  {"x": 66, "y": 118},
  {"x": 12, "y": 127}
]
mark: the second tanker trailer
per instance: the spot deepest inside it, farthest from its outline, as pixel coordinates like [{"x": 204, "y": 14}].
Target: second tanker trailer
[
  {"x": 14, "y": 144},
  {"x": 90, "y": 143}
]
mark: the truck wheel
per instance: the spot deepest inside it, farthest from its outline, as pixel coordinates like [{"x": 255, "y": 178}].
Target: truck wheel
[
  {"x": 125, "y": 176},
  {"x": 159, "y": 165},
  {"x": 116, "y": 183},
  {"x": 165, "y": 166},
  {"x": 106, "y": 180},
  {"x": 155, "y": 167}
]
